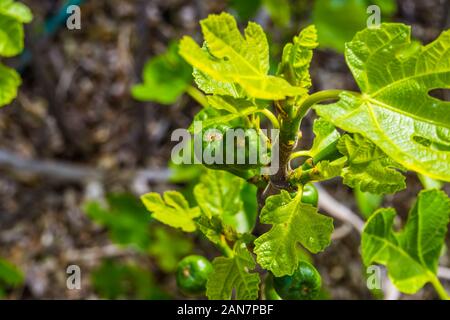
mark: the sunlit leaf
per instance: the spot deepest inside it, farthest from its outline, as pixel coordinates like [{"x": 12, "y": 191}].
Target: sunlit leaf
[
  {"x": 395, "y": 110},
  {"x": 293, "y": 223},
  {"x": 234, "y": 59}
]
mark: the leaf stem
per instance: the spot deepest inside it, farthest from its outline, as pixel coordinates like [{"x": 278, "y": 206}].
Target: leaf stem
[
  {"x": 225, "y": 248},
  {"x": 297, "y": 154},
  {"x": 273, "y": 119},
  {"x": 197, "y": 95},
  {"x": 316, "y": 98},
  {"x": 439, "y": 288}
]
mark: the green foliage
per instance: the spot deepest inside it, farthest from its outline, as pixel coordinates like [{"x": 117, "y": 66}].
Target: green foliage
[
  {"x": 220, "y": 194},
  {"x": 279, "y": 11},
  {"x": 337, "y": 21},
  {"x": 368, "y": 168},
  {"x": 245, "y": 10},
  {"x": 165, "y": 78},
  {"x": 293, "y": 222},
  {"x": 113, "y": 280},
  {"x": 411, "y": 255},
  {"x": 167, "y": 247},
  {"x": 269, "y": 290},
  {"x": 174, "y": 210},
  {"x": 416, "y": 135},
  {"x": 234, "y": 274},
  {"x": 367, "y": 202},
  {"x": 234, "y": 65},
  {"x": 129, "y": 224},
  {"x": 297, "y": 56},
  {"x": 10, "y": 276},
  {"x": 12, "y": 17},
  {"x": 226, "y": 206},
  {"x": 9, "y": 82},
  {"x": 368, "y": 138},
  {"x": 325, "y": 143},
  {"x": 125, "y": 217}
]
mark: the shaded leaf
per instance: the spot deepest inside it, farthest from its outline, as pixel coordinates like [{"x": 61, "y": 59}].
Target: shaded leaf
[
  {"x": 165, "y": 78},
  {"x": 337, "y": 21},
  {"x": 125, "y": 217},
  {"x": 411, "y": 256}
]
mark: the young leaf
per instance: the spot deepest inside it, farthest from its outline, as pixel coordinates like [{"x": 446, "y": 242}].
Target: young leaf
[
  {"x": 11, "y": 36},
  {"x": 395, "y": 111},
  {"x": 219, "y": 194},
  {"x": 9, "y": 82},
  {"x": 166, "y": 77},
  {"x": 173, "y": 210},
  {"x": 293, "y": 222},
  {"x": 233, "y": 274},
  {"x": 326, "y": 138},
  {"x": 168, "y": 247},
  {"x": 125, "y": 217},
  {"x": 369, "y": 169},
  {"x": 297, "y": 57},
  {"x": 411, "y": 256},
  {"x": 234, "y": 59},
  {"x": 211, "y": 227},
  {"x": 327, "y": 169},
  {"x": 367, "y": 202},
  {"x": 118, "y": 280}
]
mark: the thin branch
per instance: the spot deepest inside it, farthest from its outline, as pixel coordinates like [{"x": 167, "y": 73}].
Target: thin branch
[
  {"x": 72, "y": 172},
  {"x": 93, "y": 255},
  {"x": 337, "y": 210}
]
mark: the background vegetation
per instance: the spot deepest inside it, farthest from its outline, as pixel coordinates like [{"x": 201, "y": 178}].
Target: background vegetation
[{"x": 76, "y": 148}]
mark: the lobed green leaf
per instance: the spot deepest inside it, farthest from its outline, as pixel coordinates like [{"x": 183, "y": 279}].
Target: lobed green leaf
[
  {"x": 233, "y": 274},
  {"x": 293, "y": 223},
  {"x": 411, "y": 255},
  {"x": 395, "y": 110},
  {"x": 229, "y": 58},
  {"x": 173, "y": 210}
]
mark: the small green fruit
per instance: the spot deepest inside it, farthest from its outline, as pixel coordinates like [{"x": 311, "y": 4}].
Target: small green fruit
[
  {"x": 192, "y": 274},
  {"x": 304, "y": 284},
  {"x": 310, "y": 194}
]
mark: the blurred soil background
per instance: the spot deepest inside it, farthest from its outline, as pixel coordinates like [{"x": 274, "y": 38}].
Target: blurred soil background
[{"x": 75, "y": 107}]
